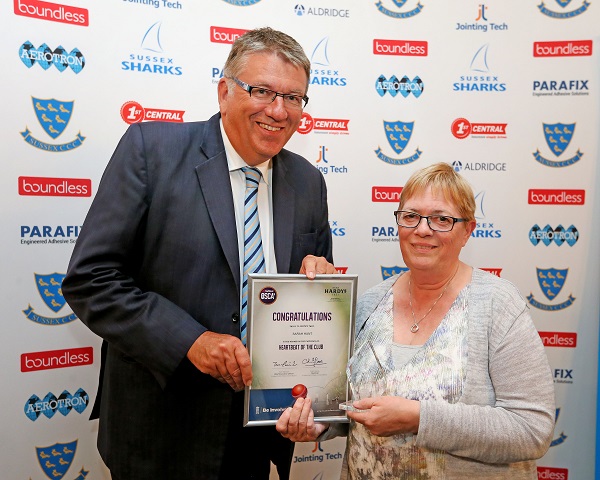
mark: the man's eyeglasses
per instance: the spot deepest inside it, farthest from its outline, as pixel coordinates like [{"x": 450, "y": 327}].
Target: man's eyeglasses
[
  {"x": 266, "y": 96},
  {"x": 437, "y": 223}
]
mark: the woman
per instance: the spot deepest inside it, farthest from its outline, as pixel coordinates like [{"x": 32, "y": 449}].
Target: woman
[{"x": 458, "y": 380}]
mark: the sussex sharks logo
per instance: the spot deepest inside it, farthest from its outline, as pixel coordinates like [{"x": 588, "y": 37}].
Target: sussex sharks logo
[
  {"x": 564, "y": 13},
  {"x": 56, "y": 460},
  {"x": 53, "y": 115},
  {"x": 558, "y": 137},
  {"x": 398, "y": 135},
  {"x": 387, "y": 272},
  {"x": 551, "y": 282}
]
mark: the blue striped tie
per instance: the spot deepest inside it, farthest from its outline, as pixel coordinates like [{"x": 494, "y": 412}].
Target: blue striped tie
[{"x": 254, "y": 260}]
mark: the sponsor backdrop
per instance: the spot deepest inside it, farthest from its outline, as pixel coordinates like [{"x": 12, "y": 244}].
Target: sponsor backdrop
[{"x": 507, "y": 92}]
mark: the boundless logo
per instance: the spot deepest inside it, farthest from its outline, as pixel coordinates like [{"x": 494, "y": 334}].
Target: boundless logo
[
  {"x": 323, "y": 164},
  {"x": 398, "y": 135},
  {"x": 386, "y": 194},
  {"x": 558, "y": 235},
  {"x": 481, "y": 80},
  {"x": 154, "y": 62},
  {"x": 324, "y": 74},
  {"x": 409, "y": 48},
  {"x": 225, "y": 34},
  {"x": 555, "y": 197},
  {"x": 45, "y": 57},
  {"x": 332, "y": 126},
  {"x": 50, "y": 404},
  {"x": 493, "y": 271},
  {"x": 551, "y": 282},
  {"x": 54, "y": 116},
  {"x": 558, "y": 137},
  {"x": 481, "y": 23},
  {"x": 484, "y": 229},
  {"x": 49, "y": 287},
  {"x": 398, "y": 4},
  {"x": 55, "y": 187},
  {"x": 133, "y": 112},
  {"x": 387, "y": 272},
  {"x": 563, "y": 48},
  {"x": 336, "y": 230},
  {"x": 462, "y": 128},
  {"x": 559, "y": 339},
  {"x": 53, "y": 12},
  {"x": 558, "y": 88},
  {"x": 71, "y": 357},
  {"x": 552, "y": 473},
  {"x": 404, "y": 86},
  {"x": 564, "y": 14},
  {"x": 55, "y": 460},
  {"x": 300, "y": 11}
]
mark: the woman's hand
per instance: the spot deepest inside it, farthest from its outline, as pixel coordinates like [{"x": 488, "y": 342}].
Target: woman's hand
[
  {"x": 386, "y": 416},
  {"x": 298, "y": 422}
]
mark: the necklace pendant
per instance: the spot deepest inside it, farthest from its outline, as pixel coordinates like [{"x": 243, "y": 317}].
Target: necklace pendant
[{"x": 414, "y": 328}]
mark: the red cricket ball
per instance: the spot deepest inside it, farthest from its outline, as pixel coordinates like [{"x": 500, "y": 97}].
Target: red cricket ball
[{"x": 299, "y": 391}]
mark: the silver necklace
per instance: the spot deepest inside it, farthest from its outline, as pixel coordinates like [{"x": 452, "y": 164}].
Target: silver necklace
[{"x": 415, "y": 326}]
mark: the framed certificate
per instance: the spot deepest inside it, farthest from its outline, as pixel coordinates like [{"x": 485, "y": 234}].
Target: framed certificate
[{"x": 300, "y": 336}]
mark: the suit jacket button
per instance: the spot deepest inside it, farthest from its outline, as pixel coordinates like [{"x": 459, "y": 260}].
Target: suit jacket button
[{"x": 235, "y": 317}]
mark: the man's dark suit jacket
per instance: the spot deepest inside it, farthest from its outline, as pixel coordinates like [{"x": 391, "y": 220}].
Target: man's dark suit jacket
[{"x": 155, "y": 266}]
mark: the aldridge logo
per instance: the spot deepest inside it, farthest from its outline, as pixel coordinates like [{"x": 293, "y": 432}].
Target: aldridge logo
[
  {"x": 53, "y": 12},
  {"x": 565, "y": 48}
]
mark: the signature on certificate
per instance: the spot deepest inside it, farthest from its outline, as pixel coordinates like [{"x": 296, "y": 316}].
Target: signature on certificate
[
  {"x": 313, "y": 362},
  {"x": 285, "y": 364}
]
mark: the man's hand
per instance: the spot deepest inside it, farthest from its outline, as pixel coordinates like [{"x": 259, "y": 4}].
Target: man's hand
[
  {"x": 298, "y": 422},
  {"x": 223, "y": 357},
  {"x": 312, "y": 266}
]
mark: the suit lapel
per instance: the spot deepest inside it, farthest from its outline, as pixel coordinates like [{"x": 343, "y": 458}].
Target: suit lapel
[
  {"x": 283, "y": 214},
  {"x": 213, "y": 177}
]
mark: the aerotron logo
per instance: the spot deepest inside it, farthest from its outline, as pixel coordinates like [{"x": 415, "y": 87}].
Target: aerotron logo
[
  {"x": 558, "y": 137},
  {"x": 50, "y": 404},
  {"x": 398, "y": 9},
  {"x": 563, "y": 12},
  {"x": 481, "y": 77},
  {"x": 45, "y": 57},
  {"x": 152, "y": 57},
  {"x": 398, "y": 134},
  {"x": 558, "y": 235},
  {"x": 551, "y": 282},
  {"x": 405, "y": 86}
]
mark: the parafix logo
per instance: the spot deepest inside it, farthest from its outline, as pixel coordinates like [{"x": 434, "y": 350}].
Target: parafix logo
[
  {"x": 225, "y": 35},
  {"x": 564, "y": 48},
  {"x": 409, "y": 48},
  {"x": 552, "y": 473},
  {"x": 559, "y": 339},
  {"x": 52, "y": 12},
  {"x": 555, "y": 197},
  {"x": 322, "y": 125},
  {"x": 55, "y": 187}
]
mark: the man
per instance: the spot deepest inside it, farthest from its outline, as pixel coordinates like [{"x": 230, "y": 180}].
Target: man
[{"x": 157, "y": 271}]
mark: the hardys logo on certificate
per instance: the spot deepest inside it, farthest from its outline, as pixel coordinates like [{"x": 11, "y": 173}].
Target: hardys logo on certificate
[{"x": 300, "y": 337}]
